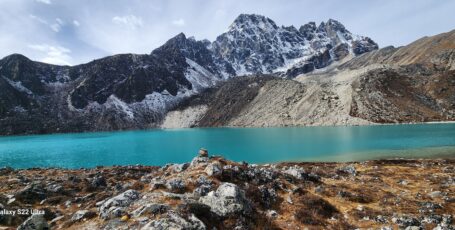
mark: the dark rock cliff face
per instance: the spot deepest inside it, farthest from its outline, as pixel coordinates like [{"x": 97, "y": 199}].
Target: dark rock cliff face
[
  {"x": 130, "y": 91},
  {"x": 227, "y": 100},
  {"x": 130, "y": 77}
]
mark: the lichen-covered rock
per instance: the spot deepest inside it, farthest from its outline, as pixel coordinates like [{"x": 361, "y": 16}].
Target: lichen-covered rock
[
  {"x": 406, "y": 221},
  {"x": 199, "y": 161},
  {"x": 98, "y": 181},
  {"x": 261, "y": 174},
  {"x": 150, "y": 209},
  {"x": 213, "y": 169},
  {"x": 176, "y": 185},
  {"x": 157, "y": 183},
  {"x": 34, "y": 222},
  {"x": 81, "y": 214},
  {"x": 122, "y": 200},
  {"x": 180, "y": 167},
  {"x": 349, "y": 169},
  {"x": 54, "y": 188},
  {"x": 31, "y": 193},
  {"x": 175, "y": 222},
  {"x": 268, "y": 196},
  {"x": 204, "y": 186},
  {"x": 296, "y": 172},
  {"x": 227, "y": 199}
]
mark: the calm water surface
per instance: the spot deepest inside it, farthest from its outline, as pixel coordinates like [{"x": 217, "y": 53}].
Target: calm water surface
[{"x": 254, "y": 145}]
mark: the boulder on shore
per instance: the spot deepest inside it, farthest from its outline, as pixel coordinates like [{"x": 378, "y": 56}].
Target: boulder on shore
[
  {"x": 112, "y": 206},
  {"x": 227, "y": 199},
  {"x": 34, "y": 222}
]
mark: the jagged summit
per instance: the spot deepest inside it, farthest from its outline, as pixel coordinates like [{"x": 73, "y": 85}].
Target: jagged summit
[
  {"x": 255, "y": 44},
  {"x": 246, "y": 21},
  {"x": 16, "y": 56}
]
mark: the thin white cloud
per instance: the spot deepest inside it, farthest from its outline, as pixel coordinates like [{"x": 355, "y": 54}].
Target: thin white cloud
[
  {"x": 48, "y": 2},
  {"x": 76, "y": 23},
  {"x": 179, "y": 22},
  {"x": 57, "y": 26},
  {"x": 38, "y": 19},
  {"x": 53, "y": 54},
  {"x": 130, "y": 21}
]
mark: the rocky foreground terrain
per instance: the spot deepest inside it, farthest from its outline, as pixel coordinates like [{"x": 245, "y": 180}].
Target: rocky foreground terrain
[{"x": 215, "y": 193}]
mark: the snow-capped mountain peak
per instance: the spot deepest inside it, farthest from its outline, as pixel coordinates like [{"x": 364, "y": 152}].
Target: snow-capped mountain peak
[
  {"x": 248, "y": 21},
  {"x": 255, "y": 44}
]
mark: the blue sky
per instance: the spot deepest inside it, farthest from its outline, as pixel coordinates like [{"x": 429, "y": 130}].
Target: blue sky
[{"x": 78, "y": 31}]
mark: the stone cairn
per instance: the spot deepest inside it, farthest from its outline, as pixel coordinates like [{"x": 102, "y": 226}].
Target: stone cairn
[{"x": 203, "y": 152}]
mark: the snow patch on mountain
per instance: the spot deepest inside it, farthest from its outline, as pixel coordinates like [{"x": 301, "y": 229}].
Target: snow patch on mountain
[
  {"x": 113, "y": 101},
  {"x": 18, "y": 86},
  {"x": 199, "y": 77}
]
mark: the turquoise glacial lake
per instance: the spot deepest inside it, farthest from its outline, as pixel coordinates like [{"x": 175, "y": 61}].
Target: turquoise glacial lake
[{"x": 253, "y": 145}]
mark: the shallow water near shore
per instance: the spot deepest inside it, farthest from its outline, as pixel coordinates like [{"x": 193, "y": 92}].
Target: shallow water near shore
[{"x": 253, "y": 145}]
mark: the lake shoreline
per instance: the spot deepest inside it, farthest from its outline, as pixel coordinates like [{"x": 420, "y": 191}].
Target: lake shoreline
[
  {"x": 239, "y": 127},
  {"x": 215, "y": 192},
  {"x": 252, "y": 145}
]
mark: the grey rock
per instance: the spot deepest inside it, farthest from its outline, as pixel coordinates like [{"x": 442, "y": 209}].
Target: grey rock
[
  {"x": 204, "y": 186},
  {"x": 180, "y": 167},
  {"x": 295, "y": 171},
  {"x": 386, "y": 228},
  {"x": 268, "y": 196},
  {"x": 203, "y": 180},
  {"x": 272, "y": 214},
  {"x": 157, "y": 183},
  {"x": 114, "y": 212},
  {"x": 319, "y": 189},
  {"x": 413, "y": 228},
  {"x": 81, "y": 214},
  {"x": 202, "y": 190},
  {"x": 380, "y": 219},
  {"x": 348, "y": 169},
  {"x": 98, "y": 181},
  {"x": 435, "y": 194},
  {"x": 122, "y": 200},
  {"x": 34, "y": 222},
  {"x": 31, "y": 193},
  {"x": 213, "y": 169},
  {"x": 151, "y": 209},
  {"x": 429, "y": 207},
  {"x": 261, "y": 174},
  {"x": 199, "y": 161},
  {"x": 175, "y": 222},
  {"x": 56, "y": 219},
  {"x": 176, "y": 185},
  {"x": 227, "y": 199},
  {"x": 406, "y": 221},
  {"x": 54, "y": 188}
]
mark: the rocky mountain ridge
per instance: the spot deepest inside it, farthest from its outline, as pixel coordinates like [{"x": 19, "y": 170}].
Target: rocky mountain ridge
[
  {"x": 130, "y": 91},
  {"x": 413, "y": 83}
]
